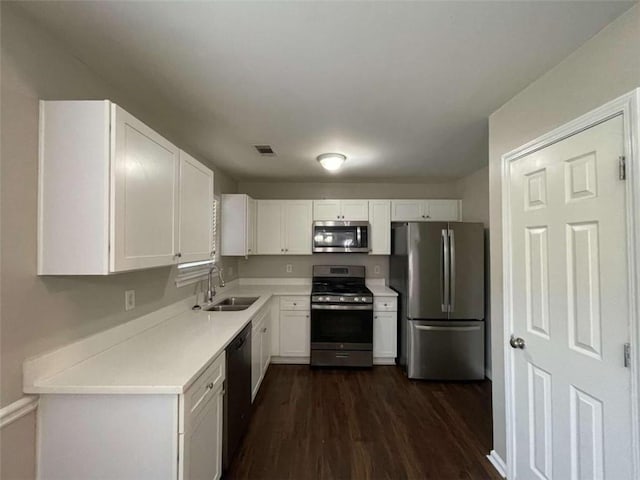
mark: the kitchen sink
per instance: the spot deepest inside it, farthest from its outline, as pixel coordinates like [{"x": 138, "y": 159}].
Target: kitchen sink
[
  {"x": 232, "y": 304},
  {"x": 233, "y": 301},
  {"x": 226, "y": 308}
]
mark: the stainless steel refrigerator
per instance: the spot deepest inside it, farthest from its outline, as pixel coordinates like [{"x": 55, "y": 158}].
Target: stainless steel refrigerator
[{"x": 437, "y": 268}]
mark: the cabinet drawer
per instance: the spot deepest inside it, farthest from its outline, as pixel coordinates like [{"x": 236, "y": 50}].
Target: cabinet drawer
[
  {"x": 294, "y": 303},
  {"x": 385, "y": 304},
  {"x": 206, "y": 384}
]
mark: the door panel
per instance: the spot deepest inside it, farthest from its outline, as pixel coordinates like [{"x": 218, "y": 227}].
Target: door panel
[
  {"x": 446, "y": 350},
  {"x": 355, "y": 210},
  {"x": 380, "y": 227},
  {"x": 425, "y": 290},
  {"x": 325, "y": 210},
  {"x": 270, "y": 227},
  {"x": 407, "y": 210},
  {"x": 466, "y": 246},
  {"x": 298, "y": 227},
  {"x": 442, "y": 210},
  {"x": 569, "y": 300}
]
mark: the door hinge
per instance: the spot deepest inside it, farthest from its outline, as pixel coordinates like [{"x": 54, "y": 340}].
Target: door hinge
[
  {"x": 622, "y": 167},
  {"x": 627, "y": 355}
]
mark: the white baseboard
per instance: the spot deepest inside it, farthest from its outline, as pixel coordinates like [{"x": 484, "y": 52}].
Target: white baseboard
[
  {"x": 18, "y": 409},
  {"x": 384, "y": 361},
  {"x": 498, "y": 463}
]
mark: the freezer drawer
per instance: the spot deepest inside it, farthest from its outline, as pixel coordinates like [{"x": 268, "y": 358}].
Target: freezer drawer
[{"x": 445, "y": 350}]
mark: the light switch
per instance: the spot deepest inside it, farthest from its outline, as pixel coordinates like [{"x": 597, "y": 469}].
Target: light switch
[
  {"x": 289, "y": 268},
  {"x": 376, "y": 269}
]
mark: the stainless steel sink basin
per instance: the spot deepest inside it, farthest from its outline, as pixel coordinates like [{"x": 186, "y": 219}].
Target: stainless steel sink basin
[
  {"x": 247, "y": 301},
  {"x": 232, "y": 304},
  {"x": 226, "y": 308}
]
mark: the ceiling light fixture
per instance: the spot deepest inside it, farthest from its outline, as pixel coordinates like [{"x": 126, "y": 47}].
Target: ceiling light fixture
[{"x": 331, "y": 161}]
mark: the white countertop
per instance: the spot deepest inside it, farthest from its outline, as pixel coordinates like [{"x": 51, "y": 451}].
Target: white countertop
[{"x": 168, "y": 357}]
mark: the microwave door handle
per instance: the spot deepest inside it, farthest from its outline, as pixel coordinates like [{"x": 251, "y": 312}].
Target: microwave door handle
[
  {"x": 452, "y": 270},
  {"x": 358, "y": 236}
]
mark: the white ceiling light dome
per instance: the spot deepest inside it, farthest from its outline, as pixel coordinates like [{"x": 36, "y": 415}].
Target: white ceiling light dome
[{"x": 331, "y": 161}]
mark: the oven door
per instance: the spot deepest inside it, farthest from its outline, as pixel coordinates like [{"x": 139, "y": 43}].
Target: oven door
[
  {"x": 334, "y": 237},
  {"x": 341, "y": 327}
]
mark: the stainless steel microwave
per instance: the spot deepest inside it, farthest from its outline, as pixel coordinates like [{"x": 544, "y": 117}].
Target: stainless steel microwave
[{"x": 340, "y": 237}]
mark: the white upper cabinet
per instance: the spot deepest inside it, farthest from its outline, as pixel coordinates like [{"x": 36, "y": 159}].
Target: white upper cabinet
[
  {"x": 425, "y": 210},
  {"x": 347, "y": 210},
  {"x": 284, "y": 227},
  {"x": 196, "y": 210},
  {"x": 110, "y": 193},
  {"x": 380, "y": 227},
  {"x": 238, "y": 227},
  {"x": 298, "y": 224}
]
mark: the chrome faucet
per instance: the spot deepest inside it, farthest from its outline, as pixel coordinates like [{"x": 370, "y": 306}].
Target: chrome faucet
[{"x": 211, "y": 289}]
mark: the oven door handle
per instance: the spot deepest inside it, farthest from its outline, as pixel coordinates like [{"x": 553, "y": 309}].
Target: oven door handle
[{"x": 341, "y": 307}]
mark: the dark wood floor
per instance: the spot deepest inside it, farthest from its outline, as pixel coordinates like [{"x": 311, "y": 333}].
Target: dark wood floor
[{"x": 365, "y": 424}]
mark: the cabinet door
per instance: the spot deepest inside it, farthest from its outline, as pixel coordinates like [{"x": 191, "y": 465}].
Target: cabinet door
[
  {"x": 270, "y": 227},
  {"x": 355, "y": 210},
  {"x": 196, "y": 210},
  {"x": 380, "y": 227},
  {"x": 294, "y": 334},
  {"x": 407, "y": 210},
  {"x": 324, "y": 210},
  {"x": 202, "y": 451},
  {"x": 266, "y": 344},
  {"x": 298, "y": 226},
  {"x": 443, "y": 210},
  {"x": 256, "y": 358},
  {"x": 385, "y": 334},
  {"x": 252, "y": 212},
  {"x": 144, "y": 201}
]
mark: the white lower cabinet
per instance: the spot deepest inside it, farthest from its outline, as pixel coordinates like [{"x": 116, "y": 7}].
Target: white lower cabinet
[
  {"x": 260, "y": 349},
  {"x": 385, "y": 330},
  {"x": 292, "y": 344},
  {"x": 135, "y": 437}
]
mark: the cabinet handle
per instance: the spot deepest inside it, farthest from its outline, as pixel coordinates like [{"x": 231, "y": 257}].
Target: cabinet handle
[
  {"x": 282, "y": 249},
  {"x": 375, "y": 317},
  {"x": 264, "y": 330},
  {"x": 210, "y": 386},
  {"x": 294, "y": 304},
  {"x": 307, "y": 316},
  {"x": 286, "y": 249},
  {"x": 338, "y": 217}
]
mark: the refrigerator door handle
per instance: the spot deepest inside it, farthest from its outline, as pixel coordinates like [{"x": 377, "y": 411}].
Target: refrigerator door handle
[
  {"x": 432, "y": 328},
  {"x": 452, "y": 271},
  {"x": 444, "y": 271}
]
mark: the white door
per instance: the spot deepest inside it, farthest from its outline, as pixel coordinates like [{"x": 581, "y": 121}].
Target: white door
[
  {"x": 294, "y": 334},
  {"x": 326, "y": 210},
  {"x": 202, "y": 450},
  {"x": 196, "y": 210},
  {"x": 251, "y": 225},
  {"x": 256, "y": 358},
  {"x": 569, "y": 306},
  {"x": 442, "y": 210},
  {"x": 379, "y": 227},
  {"x": 298, "y": 226},
  {"x": 407, "y": 210},
  {"x": 266, "y": 342},
  {"x": 385, "y": 326},
  {"x": 145, "y": 196},
  {"x": 354, "y": 210},
  {"x": 270, "y": 227}
]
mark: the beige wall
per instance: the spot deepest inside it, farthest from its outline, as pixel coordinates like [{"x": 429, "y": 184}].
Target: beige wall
[
  {"x": 318, "y": 190},
  {"x": 39, "y": 314},
  {"x": 602, "y": 69}
]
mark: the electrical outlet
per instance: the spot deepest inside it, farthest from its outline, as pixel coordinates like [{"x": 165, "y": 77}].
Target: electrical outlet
[
  {"x": 289, "y": 268},
  {"x": 376, "y": 269},
  {"x": 129, "y": 300}
]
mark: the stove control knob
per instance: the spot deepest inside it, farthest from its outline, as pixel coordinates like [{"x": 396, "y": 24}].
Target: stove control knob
[
  {"x": 342, "y": 299},
  {"x": 357, "y": 299}
]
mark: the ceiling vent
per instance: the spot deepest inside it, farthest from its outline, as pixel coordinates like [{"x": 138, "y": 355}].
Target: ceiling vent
[{"x": 265, "y": 150}]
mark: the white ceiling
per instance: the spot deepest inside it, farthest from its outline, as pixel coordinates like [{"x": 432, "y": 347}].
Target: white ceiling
[{"x": 403, "y": 89}]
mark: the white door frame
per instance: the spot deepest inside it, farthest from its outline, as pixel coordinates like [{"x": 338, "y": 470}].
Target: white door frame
[{"x": 629, "y": 107}]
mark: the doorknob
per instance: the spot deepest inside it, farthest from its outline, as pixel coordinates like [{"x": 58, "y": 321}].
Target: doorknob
[{"x": 516, "y": 342}]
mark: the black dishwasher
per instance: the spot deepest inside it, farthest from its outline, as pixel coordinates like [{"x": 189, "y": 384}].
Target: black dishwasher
[{"x": 237, "y": 398}]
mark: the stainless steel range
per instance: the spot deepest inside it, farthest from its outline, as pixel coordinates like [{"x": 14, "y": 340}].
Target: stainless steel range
[{"x": 341, "y": 317}]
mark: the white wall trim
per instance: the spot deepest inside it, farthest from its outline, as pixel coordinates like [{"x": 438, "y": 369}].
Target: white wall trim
[
  {"x": 18, "y": 409},
  {"x": 48, "y": 364},
  {"x": 629, "y": 107},
  {"x": 497, "y": 463}
]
